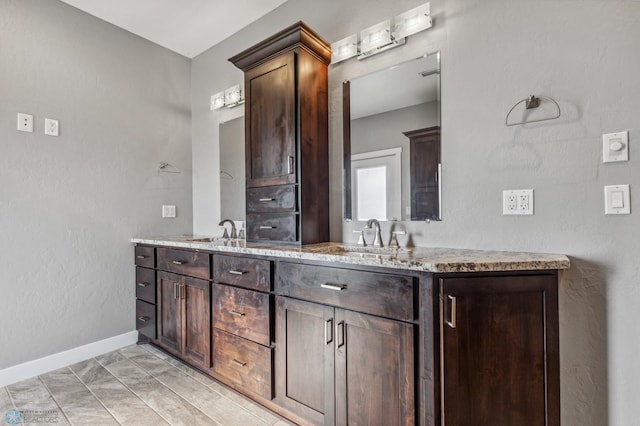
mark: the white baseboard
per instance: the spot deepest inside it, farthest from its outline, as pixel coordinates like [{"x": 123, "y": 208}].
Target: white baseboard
[{"x": 63, "y": 359}]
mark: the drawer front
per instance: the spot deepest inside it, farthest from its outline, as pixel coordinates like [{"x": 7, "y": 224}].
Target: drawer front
[
  {"x": 146, "y": 284},
  {"x": 184, "y": 262},
  {"x": 272, "y": 199},
  {"x": 245, "y": 363},
  {"x": 146, "y": 319},
  {"x": 242, "y": 272},
  {"x": 244, "y": 313},
  {"x": 373, "y": 293},
  {"x": 272, "y": 227},
  {"x": 145, "y": 256}
]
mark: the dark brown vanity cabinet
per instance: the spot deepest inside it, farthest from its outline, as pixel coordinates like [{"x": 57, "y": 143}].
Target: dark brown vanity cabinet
[
  {"x": 499, "y": 350},
  {"x": 145, "y": 260},
  {"x": 184, "y": 305},
  {"x": 286, "y": 137},
  {"x": 424, "y": 153},
  {"x": 242, "y": 338},
  {"x": 338, "y": 366}
]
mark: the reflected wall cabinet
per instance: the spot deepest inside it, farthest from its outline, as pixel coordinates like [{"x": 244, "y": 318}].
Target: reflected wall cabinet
[{"x": 286, "y": 137}]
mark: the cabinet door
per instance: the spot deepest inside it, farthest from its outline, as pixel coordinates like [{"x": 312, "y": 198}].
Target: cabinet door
[
  {"x": 500, "y": 351},
  {"x": 374, "y": 370},
  {"x": 196, "y": 321},
  {"x": 168, "y": 311},
  {"x": 424, "y": 149},
  {"x": 305, "y": 360},
  {"x": 271, "y": 123}
]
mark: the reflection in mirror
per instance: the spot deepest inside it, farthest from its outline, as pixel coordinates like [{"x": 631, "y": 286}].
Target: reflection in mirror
[
  {"x": 392, "y": 142},
  {"x": 232, "y": 167}
]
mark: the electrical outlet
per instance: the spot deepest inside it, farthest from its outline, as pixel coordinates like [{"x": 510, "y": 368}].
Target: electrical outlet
[
  {"x": 51, "y": 127},
  {"x": 517, "y": 202}
]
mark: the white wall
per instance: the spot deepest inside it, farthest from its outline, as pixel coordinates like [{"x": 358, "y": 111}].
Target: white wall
[
  {"x": 69, "y": 205},
  {"x": 584, "y": 54}
]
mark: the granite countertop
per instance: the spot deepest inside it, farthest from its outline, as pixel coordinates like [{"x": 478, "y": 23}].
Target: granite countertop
[{"x": 415, "y": 259}]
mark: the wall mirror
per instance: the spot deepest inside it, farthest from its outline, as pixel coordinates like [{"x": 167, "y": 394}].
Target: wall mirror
[
  {"x": 391, "y": 142},
  {"x": 232, "y": 167}
]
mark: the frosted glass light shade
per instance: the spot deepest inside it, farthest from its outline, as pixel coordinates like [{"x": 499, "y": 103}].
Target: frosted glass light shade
[
  {"x": 344, "y": 49},
  {"x": 413, "y": 21},
  {"x": 376, "y": 36},
  {"x": 217, "y": 101}
]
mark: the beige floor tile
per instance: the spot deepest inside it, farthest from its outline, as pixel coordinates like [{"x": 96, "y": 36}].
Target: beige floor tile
[{"x": 32, "y": 397}]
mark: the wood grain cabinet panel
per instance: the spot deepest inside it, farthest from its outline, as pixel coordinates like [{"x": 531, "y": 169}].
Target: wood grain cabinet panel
[
  {"x": 146, "y": 284},
  {"x": 145, "y": 256},
  {"x": 272, "y": 199},
  {"x": 500, "y": 351},
  {"x": 245, "y": 363},
  {"x": 146, "y": 319},
  {"x": 244, "y": 313},
  {"x": 244, "y": 272},
  {"x": 184, "y": 262}
]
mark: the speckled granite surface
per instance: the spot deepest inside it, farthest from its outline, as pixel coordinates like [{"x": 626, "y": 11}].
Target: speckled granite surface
[{"x": 415, "y": 259}]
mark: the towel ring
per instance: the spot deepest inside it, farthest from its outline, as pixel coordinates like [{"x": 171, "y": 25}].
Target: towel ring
[{"x": 530, "y": 103}]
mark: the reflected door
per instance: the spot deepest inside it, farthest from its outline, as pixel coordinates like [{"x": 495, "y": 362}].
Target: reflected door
[{"x": 376, "y": 184}]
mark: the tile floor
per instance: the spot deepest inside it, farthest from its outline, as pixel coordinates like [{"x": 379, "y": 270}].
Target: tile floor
[{"x": 136, "y": 385}]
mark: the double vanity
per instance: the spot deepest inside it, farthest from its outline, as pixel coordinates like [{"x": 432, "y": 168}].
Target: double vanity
[
  {"x": 332, "y": 334},
  {"x": 337, "y": 334}
]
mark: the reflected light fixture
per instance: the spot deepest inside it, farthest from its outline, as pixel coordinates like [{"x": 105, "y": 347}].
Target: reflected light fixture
[
  {"x": 230, "y": 98},
  {"x": 382, "y": 36}
]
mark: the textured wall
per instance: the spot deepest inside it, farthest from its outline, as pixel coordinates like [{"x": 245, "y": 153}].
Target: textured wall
[
  {"x": 494, "y": 53},
  {"x": 69, "y": 205}
]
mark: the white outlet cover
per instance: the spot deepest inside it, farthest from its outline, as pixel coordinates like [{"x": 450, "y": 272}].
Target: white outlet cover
[
  {"x": 51, "y": 127},
  {"x": 25, "y": 122},
  {"x": 517, "y": 202},
  {"x": 168, "y": 211}
]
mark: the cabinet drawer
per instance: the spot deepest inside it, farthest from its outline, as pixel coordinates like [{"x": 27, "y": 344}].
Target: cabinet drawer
[
  {"x": 146, "y": 319},
  {"x": 244, "y": 313},
  {"x": 242, "y": 272},
  {"x": 184, "y": 262},
  {"x": 272, "y": 199},
  {"x": 146, "y": 284},
  {"x": 386, "y": 295},
  {"x": 272, "y": 227},
  {"x": 145, "y": 256},
  {"x": 245, "y": 363}
]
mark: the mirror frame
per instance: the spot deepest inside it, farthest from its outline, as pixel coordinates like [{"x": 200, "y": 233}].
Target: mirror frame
[{"x": 346, "y": 139}]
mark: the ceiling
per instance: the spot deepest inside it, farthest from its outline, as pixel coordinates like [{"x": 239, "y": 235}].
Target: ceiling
[{"x": 188, "y": 27}]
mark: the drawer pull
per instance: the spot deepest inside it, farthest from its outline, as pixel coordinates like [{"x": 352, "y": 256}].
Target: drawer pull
[
  {"x": 141, "y": 257},
  {"x": 238, "y": 363},
  {"x": 333, "y": 287},
  {"x": 143, "y": 284},
  {"x": 264, "y": 200},
  {"x": 143, "y": 319},
  {"x": 236, "y": 313},
  {"x": 177, "y": 262},
  {"x": 290, "y": 165},
  {"x": 235, "y": 272},
  {"x": 267, "y": 227}
]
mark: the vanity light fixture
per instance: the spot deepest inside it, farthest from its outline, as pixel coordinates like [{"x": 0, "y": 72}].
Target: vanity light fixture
[
  {"x": 382, "y": 36},
  {"x": 230, "y": 98}
]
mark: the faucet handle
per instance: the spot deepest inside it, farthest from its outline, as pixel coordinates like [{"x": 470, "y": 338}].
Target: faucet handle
[
  {"x": 361, "y": 240},
  {"x": 393, "y": 243}
]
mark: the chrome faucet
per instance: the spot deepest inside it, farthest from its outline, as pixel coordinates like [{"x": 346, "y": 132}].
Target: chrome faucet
[
  {"x": 234, "y": 235},
  {"x": 377, "y": 240}
]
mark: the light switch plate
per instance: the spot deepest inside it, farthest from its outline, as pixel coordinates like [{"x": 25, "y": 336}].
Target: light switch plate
[
  {"x": 615, "y": 147},
  {"x": 617, "y": 199},
  {"x": 168, "y": 211}
]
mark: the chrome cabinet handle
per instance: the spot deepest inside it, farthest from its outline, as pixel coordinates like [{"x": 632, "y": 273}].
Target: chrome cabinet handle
[
  {"x": 236, "y": 313},
  {"x": 177, "y": 262},
  {"x": 290, "y": 165},
  {"x": 235, "y": 272},
  {"x": 182, "y": 291},
  {"x": 143, "y": 284},
  {"x": 141, "y": 257},
  {"x": 333, "y": 287},
  {"x": 452, "y": 321},
  {"x": 264, "y": 200},
  {"x": 143, "y": 319},
  {"x": 175, "y": 290},
  {"x": 328, "y": 331},
  {"x": 267, "y": 227},
  {"x": 238, "y": 363},
  {"x": 340, "y": 341}
]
